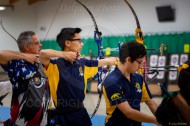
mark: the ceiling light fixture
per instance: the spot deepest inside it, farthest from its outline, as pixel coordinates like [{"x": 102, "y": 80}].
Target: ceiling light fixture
[{"x": 3, "y": 7}]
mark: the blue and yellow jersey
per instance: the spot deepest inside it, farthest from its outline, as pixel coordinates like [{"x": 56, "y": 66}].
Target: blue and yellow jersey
[
  {"x": 118, "y": 89},
  {"x": 68, "y": 81}
]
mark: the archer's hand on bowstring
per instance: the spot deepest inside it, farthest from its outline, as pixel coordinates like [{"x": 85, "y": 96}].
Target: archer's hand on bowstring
[
  {"x": 72, "y": 56},
  {"x": 108, "y": 61},
  {"x": 31, "y": 58}
]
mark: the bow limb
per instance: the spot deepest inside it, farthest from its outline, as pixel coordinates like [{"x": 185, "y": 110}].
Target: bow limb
[
  {"x": 7, "y": 32},
  {"x": 98, "y": 40},
  {"x": 97, "y": 33},
  {"x": 92, "y": 17},
  {"x": 138, "y": 33}
]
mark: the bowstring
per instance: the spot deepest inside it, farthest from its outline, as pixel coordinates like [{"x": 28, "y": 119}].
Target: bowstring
[{"x": 53, "y": 20}]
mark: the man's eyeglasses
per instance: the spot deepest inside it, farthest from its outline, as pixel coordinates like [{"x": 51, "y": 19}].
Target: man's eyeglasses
[
  {"x": 36, "y": 43},
  {"x": 79, "y": 40},
  {"x": 139, "y": 62}
]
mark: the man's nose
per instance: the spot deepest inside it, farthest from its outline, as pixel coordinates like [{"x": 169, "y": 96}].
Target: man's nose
[{"x": 40, "y": 45}]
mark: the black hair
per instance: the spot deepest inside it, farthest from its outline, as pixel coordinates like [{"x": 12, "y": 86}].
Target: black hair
[
  {"x": 132, "y": 49},
  {"x": 66, "y": 34}
]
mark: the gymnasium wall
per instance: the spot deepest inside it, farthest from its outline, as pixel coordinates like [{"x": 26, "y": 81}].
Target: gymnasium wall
[
  {"x": 114, "y": 18},
  {"x": 175, "y": 43}
]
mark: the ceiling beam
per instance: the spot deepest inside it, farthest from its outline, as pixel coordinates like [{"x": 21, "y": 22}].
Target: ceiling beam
[{"x": 12, "y": 1}]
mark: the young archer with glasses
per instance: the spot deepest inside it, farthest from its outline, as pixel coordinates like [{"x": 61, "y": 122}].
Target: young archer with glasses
[
  {"x": 68, "y": 78},
  {"x": 124, "y": 89}
]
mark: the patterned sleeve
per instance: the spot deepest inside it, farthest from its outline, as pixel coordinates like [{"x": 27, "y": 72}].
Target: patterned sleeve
[{"x": 19, "y": 68}]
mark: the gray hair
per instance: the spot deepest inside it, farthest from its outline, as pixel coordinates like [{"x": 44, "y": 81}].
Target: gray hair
[{"x": 24, "y": 38}]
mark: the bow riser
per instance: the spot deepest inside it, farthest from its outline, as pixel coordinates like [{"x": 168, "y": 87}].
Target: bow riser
[{"x": 98, "y": 40}]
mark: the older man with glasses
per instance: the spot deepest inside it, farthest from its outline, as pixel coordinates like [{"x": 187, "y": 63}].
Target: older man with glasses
[{"x": 31, "y": 95}]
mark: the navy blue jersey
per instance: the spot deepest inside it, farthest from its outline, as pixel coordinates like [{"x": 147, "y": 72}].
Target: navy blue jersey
[
  {"x": 118, "y": 89},
  {"x": 68, "y": 84}
]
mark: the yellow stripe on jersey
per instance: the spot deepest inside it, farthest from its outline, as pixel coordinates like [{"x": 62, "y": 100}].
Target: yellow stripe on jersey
[
  {"x": 53, "y": 76},
  {"x": 145, "y": 95},
  {"x": 88, "y": 73},
  {"x": 109, "y": 109}
]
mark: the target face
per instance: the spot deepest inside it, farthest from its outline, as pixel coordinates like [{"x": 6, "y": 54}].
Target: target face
[
  {"x": 172, "y": 75},
  {"x": 153, "y": 60},
  {"x": 162, "y": 61},
  {"x": 161, "y": 74},
  {"x": 183, "y": 58},
  {"x": 174, "y": 59}
]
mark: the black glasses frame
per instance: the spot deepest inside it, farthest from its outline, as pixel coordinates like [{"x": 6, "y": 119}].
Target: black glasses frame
[
  {"x": 139, "y": 62},
  {"x": 80, "y": 40}
]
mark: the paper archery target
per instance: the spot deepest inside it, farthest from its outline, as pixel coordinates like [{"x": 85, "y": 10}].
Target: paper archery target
[
  {"x": 172, "y": 75},
  {"x": 153, "y": 60},
  {"x": 161, "y": 73},
  {"x": 162, "y": 61},
  {"x": 174, "y": 59},
  {"x": 183, "y": 58}
]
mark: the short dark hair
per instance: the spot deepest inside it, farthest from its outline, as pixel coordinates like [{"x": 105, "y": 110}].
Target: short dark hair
[
  {"x": 66, "y": 34},
  {"x": 132, "y": 49}
]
